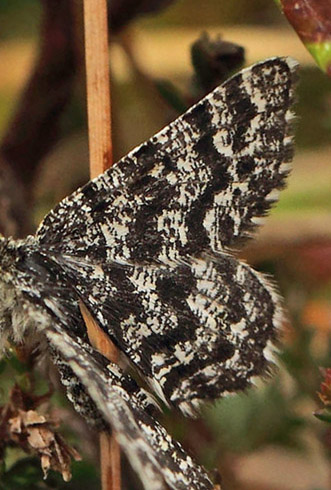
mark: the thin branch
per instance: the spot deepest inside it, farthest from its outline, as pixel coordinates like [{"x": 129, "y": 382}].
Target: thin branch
[
  {"x": 98, "y": 83},
  {"x": 99, "y": 121}
]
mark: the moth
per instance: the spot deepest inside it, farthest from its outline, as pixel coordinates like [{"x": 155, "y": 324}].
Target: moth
[{"x": 148, "y": 248}]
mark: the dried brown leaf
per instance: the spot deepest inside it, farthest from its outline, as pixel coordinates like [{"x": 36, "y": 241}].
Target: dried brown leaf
[{"x": 35, "y": 433}]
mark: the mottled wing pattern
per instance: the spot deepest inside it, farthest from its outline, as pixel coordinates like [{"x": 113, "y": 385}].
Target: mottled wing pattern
[
  {"x": 200, "y": 184},
  {"x": 196, "y": 331},
  {"x": 145, "y": 243},
  {"x": 159, "y": 460}
]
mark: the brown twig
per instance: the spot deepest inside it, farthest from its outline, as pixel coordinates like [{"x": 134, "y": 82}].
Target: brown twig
[
  {"x": 99, "y": 121},
  {"x": 97, "y": 76}
]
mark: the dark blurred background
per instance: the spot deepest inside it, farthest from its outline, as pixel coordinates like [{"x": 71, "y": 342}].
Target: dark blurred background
[{"x": 268, "y": 438}]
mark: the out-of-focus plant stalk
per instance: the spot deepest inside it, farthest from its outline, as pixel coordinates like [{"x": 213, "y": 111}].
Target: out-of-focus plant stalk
[{"x": 311, "y": 19}]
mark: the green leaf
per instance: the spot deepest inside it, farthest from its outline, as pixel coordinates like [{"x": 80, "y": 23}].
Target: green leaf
[
  {"x": 322, "y": 54},
  {"x": 324, "y": 415},
  {"x": 311, "y": 21}
]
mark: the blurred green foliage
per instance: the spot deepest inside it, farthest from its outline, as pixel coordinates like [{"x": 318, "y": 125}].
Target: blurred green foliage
[
  {"x": 216, "y": 12},
  {"x": 26, "y": 474},
  {"x": 313, "y": 201},
  {"x": 7, "y": 102},
  {"x": 313, "y": 108},
  {"x": 19, "y": 18},
  {"x": 246, "y": 422}
]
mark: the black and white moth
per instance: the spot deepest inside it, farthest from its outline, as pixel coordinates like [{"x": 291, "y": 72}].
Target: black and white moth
[{"x": 147, "y": 247}]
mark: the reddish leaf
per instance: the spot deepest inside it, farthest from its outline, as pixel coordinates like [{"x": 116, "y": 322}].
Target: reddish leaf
[{"x": 312, "y": 21}]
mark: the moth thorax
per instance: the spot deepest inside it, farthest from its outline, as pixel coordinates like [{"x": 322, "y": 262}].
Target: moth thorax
[
  {"x": 8, "y": 302},
  {"x": 17, "y": 317}
]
